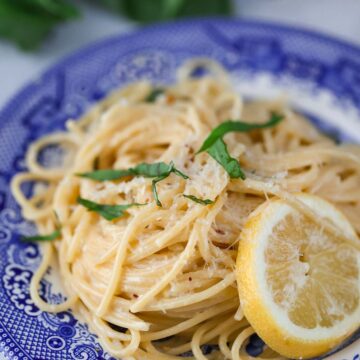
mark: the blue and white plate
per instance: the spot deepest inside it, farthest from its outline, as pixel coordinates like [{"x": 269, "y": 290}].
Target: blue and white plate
[{"x": 319, "y": 75}]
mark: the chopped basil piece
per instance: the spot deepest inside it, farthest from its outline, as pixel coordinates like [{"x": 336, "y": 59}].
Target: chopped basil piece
[
  {"x": 159, "y": 171},
  {"x": 236, "y": 126},
  {"x": 143, "y": 169},
  {"x": 199, "y": 201},
  {"x": 108, "y": 212},
  {"x": 154, "y": 189},
  {"x": 219, "y": 152},
  {"x": 107, "y": 174},
  {"x": 154, "y": 94},
  {"x": 50, "y": 237},
  {"x": 215, "y": 146}
]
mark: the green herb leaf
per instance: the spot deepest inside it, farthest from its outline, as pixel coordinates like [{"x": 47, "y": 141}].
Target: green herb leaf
[
  {"x": 154, "y": 94},
  {"x": 146, "y": 11},
  {"x": 27, "y": 30},
  {"x": 159, "y": 171},
  {"x": 53, "y": 236},
  {"x": 236, "y": 126},
  {"x": 193, "y": 8},
  {"x": 143, "y": 169},
  {"x": 107, "y": 174},
  {"x": 154, "y": 170},
  {"x": 154, "y": 189},
  {"x": 108, "y": 212},
  {"x": 28, "y": 22},
  {"x": 179, "y": 173},
  {"x": 199, "y": 201},
  {"x": 172, "y": 7},
  {"x": 217, "y": 149},
  {"x": 59, "y": 8},
  {"x": 219, "y": 152}
]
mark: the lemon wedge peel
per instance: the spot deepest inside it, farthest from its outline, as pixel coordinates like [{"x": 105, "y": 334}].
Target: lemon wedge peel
[{"x": 269, "y": 320}]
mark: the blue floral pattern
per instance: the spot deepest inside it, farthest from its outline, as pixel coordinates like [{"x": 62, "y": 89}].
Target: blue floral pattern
[
  {"x": 16, "y": 284},
  {"x": 318, "y": 66}
]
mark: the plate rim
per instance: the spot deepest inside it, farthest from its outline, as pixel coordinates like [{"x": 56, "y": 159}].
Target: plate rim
[{"x": 42, "y": 76}]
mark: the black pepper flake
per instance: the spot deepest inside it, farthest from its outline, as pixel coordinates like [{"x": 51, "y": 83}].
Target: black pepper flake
[
  {"x": 190, "y": 278},
  {"x": 219, "y": 231}
]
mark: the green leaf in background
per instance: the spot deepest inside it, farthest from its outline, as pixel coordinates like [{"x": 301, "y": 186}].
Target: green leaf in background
[
  {"x": 113, "y": 5},
  {"x": 28, "y": 22},
  {"x": 58, "y": 8},
  {"x": 147, "y": 11},
  {"x": 192, "y": 8}
]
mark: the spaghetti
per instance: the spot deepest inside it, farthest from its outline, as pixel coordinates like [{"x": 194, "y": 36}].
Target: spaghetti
[{"x": 159, "y": 281}]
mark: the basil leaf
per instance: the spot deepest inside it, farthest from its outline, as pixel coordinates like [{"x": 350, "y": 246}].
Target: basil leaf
[
  {"x": 53, "y": 236},
  {"x": 159, "y": 171},
  {"x": 237, "y": 126},
  {"x": 106, "y": 174},
  {"x": 219, "y": 152},
  {"x": 154, "y": 189},
  {"x": 154, "y": 94},
  {"x": 143, "y": 169},
  {"x": 179, "y": 173},
  {"x": 199, "y": 201},
  {"x": 108, "y": 212},
  {"x": 163, "y": 171},
  {"x": 154, "y": 170}
]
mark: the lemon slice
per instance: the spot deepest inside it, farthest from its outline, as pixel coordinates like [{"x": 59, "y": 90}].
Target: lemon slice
[{"x": 299, "y": 285}]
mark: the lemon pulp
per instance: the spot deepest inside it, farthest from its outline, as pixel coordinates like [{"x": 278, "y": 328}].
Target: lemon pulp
[
  {"x": 299, "y": 284},
  {"x": 311, "y": 273}
]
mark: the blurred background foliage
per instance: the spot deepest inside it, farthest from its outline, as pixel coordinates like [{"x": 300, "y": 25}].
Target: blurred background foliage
[{"x": 28, "y": 22}]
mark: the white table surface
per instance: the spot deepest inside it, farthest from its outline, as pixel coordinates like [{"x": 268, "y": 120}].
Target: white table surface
[{"x": 336, "y": 17}]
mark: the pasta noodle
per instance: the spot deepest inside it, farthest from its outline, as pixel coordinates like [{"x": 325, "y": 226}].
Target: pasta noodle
[{"x": 160, "y": 281}]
